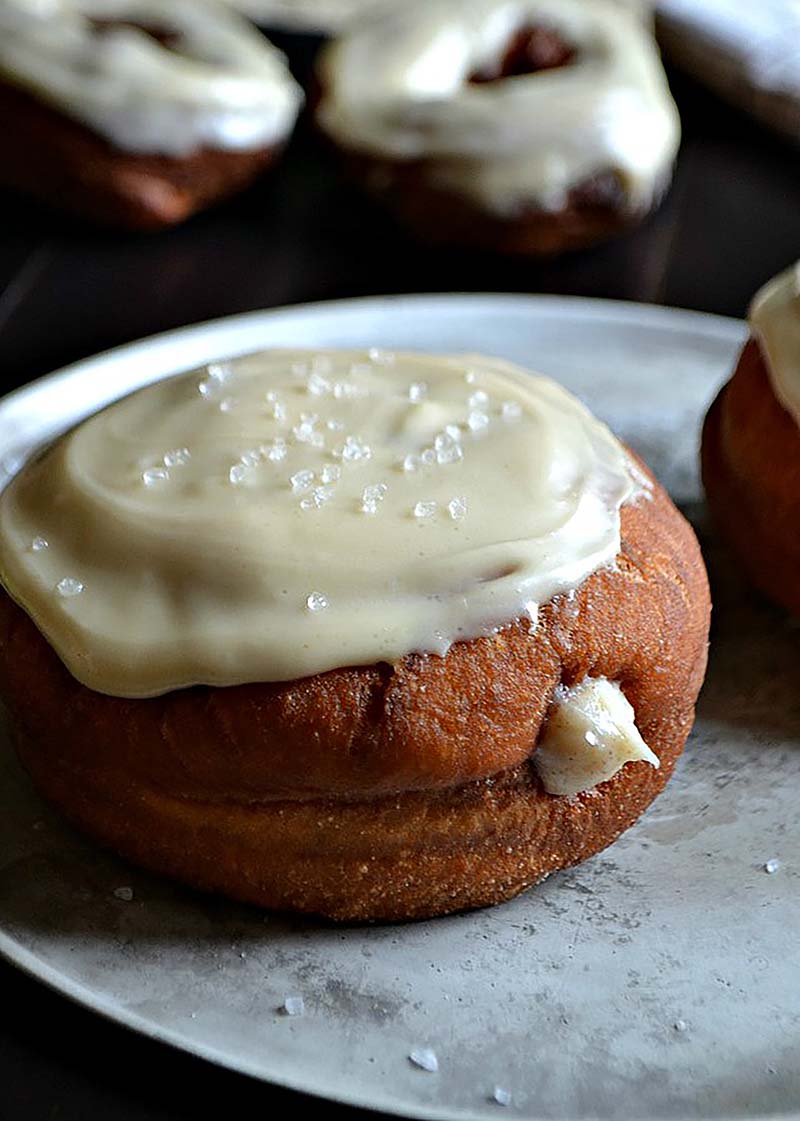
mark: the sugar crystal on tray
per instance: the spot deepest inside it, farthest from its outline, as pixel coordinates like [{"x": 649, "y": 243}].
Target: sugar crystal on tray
[{"x": 424, "y": 1058}]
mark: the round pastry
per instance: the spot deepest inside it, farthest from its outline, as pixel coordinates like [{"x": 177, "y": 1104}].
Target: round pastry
[
  {"x": 522, "y": 126},
  {"x": 137, "y": 113},
  {"x": 751, "y": 445},
  {"x": 368, "y": 635}
]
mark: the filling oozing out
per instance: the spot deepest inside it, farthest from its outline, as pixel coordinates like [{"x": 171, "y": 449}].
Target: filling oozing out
[
  {"x": 530, "y": 50},
  {"x": 590, "y": 735}
]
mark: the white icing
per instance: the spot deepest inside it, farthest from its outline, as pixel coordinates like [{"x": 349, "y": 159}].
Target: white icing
[
  {"x": 398, "y": 87},
  {"x": 590, "y": 735},
  {"x": 223, "y": 85},
  {"x": 775, "y": 318},
  {"x": 259, "y": 521}
]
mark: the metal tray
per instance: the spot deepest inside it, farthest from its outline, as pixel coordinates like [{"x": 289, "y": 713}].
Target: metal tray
[{"x": 659, "y": 980}]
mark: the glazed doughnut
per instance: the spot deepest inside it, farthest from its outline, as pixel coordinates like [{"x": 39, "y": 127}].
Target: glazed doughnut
[
  {"x": 751, "y": 446},
  {"x": 373, "y": 636},
  {"x": 182, "y": 104},
  {"x": 524, "y": 126}
]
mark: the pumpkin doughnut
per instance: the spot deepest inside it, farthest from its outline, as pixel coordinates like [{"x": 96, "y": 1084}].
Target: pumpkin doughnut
[
  {"x": 751, "y": 446},
  {"x": 182, "y": 105},
  {"x": 405, "y": 654},
  {"x": 520, "y": 126}
]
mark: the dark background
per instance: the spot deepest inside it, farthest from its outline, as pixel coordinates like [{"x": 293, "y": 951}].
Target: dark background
[{"x": 731, "y": 220}]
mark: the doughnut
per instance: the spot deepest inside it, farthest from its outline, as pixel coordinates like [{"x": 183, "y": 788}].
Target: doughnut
[
  {"x": 367, "y": 635},
  {"x": 517, "y": 126},
  {"x": 137, "y": 113},
  {"x": 751, "y": 446}
]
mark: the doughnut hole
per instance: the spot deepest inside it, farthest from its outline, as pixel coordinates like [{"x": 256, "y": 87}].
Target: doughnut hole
[{"x": 530, "y": 50}]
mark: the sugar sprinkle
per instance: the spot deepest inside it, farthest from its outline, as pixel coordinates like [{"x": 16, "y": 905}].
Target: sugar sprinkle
[
  {"x": 178, "y": 457},
  {"x": 155, "y": 475},
  {"x": 417, "y": 392},
  {"x": 301, "y": 480},
  {"x": 69, "y": 587},
  {"x": 317, "y": 601},
  {"x": 372, "y": 496}
]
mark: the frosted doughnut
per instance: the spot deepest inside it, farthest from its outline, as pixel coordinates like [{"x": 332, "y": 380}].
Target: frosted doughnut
[
  {"x": 403, "y": 88},
  {"x": 151, "y": 76}
]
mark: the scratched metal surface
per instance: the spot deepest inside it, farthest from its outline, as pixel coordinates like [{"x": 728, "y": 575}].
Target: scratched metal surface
[{"x": 659, "y": 980}]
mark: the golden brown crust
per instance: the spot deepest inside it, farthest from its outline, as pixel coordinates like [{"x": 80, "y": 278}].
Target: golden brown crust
[
  {"x": 65, "y": 164},
  {"x": 751, "y": 472},
  {"x": 594, "y": 211},
  {"x": 378, "y": 792}
]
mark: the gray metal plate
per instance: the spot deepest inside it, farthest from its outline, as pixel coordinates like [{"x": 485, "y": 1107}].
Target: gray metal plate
[{"x": 659, "y": 980}]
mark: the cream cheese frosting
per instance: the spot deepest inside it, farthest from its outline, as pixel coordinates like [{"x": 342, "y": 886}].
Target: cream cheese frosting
[
  {"x": 292, "y": 512},
  {"x": 397, "y": 87},
  {"x": 219, "y": 85},
  {"x": 591, "y": 734},
  {"x": 775, "y": 319}
]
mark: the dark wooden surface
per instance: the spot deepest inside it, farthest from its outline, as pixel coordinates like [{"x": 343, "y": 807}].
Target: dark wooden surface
[{"x": 731, "y": 220}]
